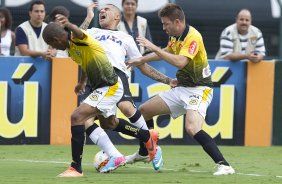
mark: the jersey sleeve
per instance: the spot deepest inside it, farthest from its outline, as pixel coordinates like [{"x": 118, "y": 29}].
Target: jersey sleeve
[
  {"x": 190, "y": 46},
  {"x": 131, "y": 48},
  {"x": 20, "y": 37},
  {"x": 86, "y": 38}
]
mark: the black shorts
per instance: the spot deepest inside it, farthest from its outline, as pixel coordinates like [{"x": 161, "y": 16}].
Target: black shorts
[{"x": 127, "y": 96}]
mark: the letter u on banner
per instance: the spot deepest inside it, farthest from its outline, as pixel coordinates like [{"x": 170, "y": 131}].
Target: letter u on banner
[{"x": 29, "y": 122}]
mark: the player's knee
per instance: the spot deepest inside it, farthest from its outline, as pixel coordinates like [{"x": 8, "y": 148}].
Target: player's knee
[
  {"x": 144, "y": 112},
  {"x": 127, "y": 108},
  {"x": 89, "y": 123},
  {"x": 190, "y": 130},
  {"x": 76, "y": 119},
  {"x": 110, "y": 123}
]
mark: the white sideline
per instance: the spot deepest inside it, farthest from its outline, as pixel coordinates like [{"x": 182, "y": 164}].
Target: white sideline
[{"x": 192, "y": 171}]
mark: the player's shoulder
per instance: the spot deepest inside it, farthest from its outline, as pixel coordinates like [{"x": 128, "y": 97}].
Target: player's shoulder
[
  {"x": 123, "y": 34},
  {"x": 93, "y": 30},
  {"x": 193, "y": 32}
]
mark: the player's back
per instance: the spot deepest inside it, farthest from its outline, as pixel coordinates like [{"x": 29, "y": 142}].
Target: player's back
[{"x": 92, "y": 58}]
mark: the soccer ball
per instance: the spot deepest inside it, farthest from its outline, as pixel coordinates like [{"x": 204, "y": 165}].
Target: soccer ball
[{"x": 100, "y": 160}]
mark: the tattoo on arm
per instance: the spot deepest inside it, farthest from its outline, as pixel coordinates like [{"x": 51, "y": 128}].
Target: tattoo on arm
[
  {"x": 85, "y": 25},
  {"x": 156, "y": 75}
]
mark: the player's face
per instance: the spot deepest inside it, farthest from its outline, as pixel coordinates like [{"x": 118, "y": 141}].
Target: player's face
[
  {"x": 58, "y": 43},
  {"x": 169, "y": 26},
  {"x": 107, "y": 16},
  {"x": 243, "y": 22},
  {"x": 129, "y": 7}
]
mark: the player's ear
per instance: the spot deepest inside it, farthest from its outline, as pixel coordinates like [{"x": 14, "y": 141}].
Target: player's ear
[
  {"x": 117, "y": 17},
  {"x": 177, "y": 21}
]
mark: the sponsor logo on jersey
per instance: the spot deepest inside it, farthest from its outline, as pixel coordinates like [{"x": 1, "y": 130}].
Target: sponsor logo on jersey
[
  {"x": 192, "y": 47},
  {"x": 193, "y": 102},
  {"x": 194, "y": 96},
  {"x": 193, "y": 99},
  {"x": 94, "y": 97},
  {"x": 109, "y": 37},
  {"x": 99, "y": 92}
]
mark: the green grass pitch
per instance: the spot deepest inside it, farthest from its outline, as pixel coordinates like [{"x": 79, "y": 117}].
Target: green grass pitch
[{"x": 34, "y": 164}]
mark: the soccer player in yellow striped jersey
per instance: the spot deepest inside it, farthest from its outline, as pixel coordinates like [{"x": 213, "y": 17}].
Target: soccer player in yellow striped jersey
[
  {"x": 108, "y": 90},
  {"x": 197, "y": 71},
  {"x": 89, "y": 54},
  {"x": 193, "y": 93}
]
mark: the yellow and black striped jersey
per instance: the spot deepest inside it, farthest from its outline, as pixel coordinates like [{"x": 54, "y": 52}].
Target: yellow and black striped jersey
[
  {"x": 89, "y": 54},
  {"x": 197, "y": 71}
]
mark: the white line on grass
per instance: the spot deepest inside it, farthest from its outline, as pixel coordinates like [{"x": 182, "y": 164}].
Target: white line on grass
[{"x": 133, "y": 166}]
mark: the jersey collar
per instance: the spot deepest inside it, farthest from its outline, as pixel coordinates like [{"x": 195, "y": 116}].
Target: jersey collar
[{"x": 184, "y": 34}]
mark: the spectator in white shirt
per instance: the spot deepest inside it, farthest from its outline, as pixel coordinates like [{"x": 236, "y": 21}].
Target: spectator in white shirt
[
  {"x": 7, "y": 42},
  {"x": 241, "y": 40}
]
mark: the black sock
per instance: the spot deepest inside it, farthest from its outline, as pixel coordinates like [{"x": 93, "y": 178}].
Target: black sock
[
  {"x": 77, "y": 143},
  {"x": 128, "y": 129},
  {"x": 150, "y": 123},
  {"x": 135, "y": 117},
  {"x": 210, "y": 147},
  {"x": 90, "y": 129},
  {"x": 142, "y": 149}
]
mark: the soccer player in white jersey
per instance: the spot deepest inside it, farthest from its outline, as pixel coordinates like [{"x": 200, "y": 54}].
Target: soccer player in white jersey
[{"x": 119, "y": 46}]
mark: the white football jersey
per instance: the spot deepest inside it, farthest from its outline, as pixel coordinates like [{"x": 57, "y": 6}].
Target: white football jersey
[{"x": 118, "y": 45}]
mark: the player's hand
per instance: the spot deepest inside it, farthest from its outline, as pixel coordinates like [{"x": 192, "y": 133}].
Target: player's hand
[
  {"x": 131, "y": 63},
  {"x": 80, "y": 88},
  {"x": 173, "y": 83},
  {"x": 63, "y": 20},
  {"x": 90, "y": 10},
  {"x": 146, "y": 43}
]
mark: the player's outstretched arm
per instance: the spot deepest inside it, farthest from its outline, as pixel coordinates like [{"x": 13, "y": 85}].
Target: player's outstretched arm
[
  {"x": 89, "y": 16},
  {"x": 154, "y": 74},
  {"x": 76, "y": 32}
]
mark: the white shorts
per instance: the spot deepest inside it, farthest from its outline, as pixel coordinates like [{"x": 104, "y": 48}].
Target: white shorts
[
  {"x": 106, "y": 98},
  {"x": 180, "y": 99}
]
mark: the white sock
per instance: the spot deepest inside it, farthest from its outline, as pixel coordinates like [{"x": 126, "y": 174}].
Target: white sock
[
  {"x": 140, "y": 123},
  {"x": 101, "y": 139}
]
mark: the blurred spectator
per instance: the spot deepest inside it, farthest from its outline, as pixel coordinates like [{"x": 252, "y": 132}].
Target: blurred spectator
[
  {"x": 57, "y": 10},
  {"x": 29, "y": 41},
  {"x": 7, "y": 41},
  {"x": 133, "y": 24},
  {"x": 241, "y": 40},
  {"x": 52, "y": 18}
]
